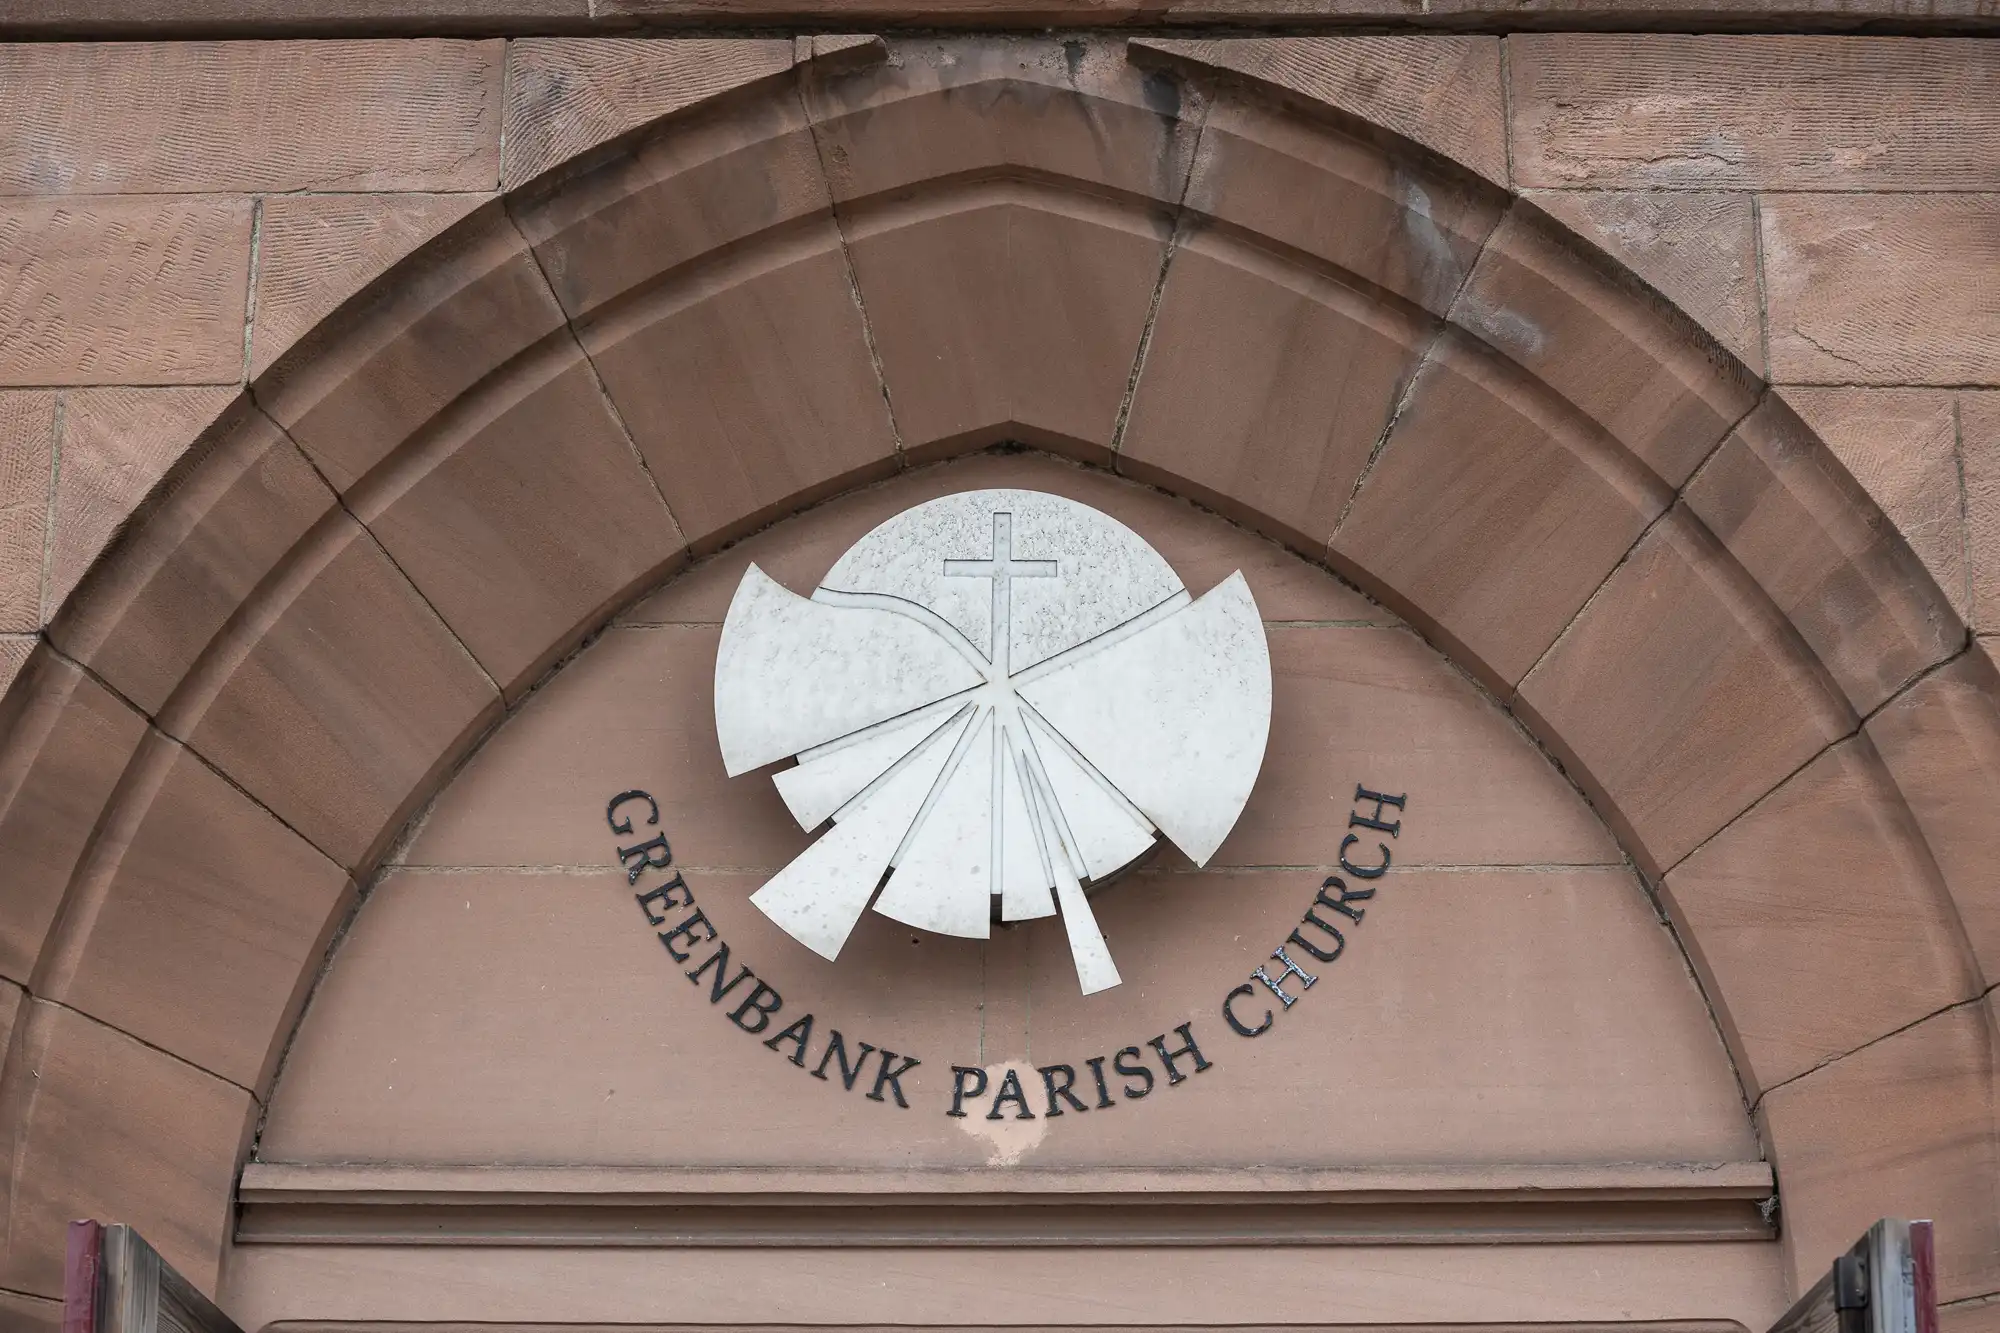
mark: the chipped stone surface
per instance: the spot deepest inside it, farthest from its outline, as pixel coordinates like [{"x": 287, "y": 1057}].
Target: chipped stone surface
[
  {"x": 1697, "y": 247},
  {"x": 316, "y": 250},
  {"x": 111, "y": 118},
  {"x": 123, "y": 290},
  {"x": 1883, "y": 289},
  {"x": 1661, "y": 111}
]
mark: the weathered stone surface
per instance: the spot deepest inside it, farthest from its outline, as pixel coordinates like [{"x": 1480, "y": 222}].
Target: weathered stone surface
[
  {"x": 27, "y": 471},
  {"x": 1697, "y": 247},
  {"x": 1804, "y": 529},
  {"x": 1006, "y": 106},
  {"x": 1411, "y": 227},
  {"x": 1979, "y": 444},
  {"x": 1680, "y": 696},
  {"x": 749, "y": 388},
  {"x": 1494, "y": 510},
  {"x": 1941, "y": 740},
  {"x": 116, "y": 444},
  {"x": 1754, "y": 112},
  {"x": 316, "y": 250},
  {"x": 1900, "y": 1128},
  {"x": 706, "y": 181},
  {"x": 1442, "y": 91},
  {"x": 66, "y": 743},
  {"x": 521, "y": 544},
  {"x": 191, "y": 554},
  {"x": 202, "y": 946},
  {"x": 1901, "y": 445},
  {"x": 111, "y": 118},
  {"x": 123, "y": 290},
  {"x": 336, "y": 708},
  {"x": 98, "y": 1125},
  {"x": 1237, "y": 403},
  {"x": 1759, "y": 925},
  {"x": 1631, "y": 362},
  {"x": 361, "y": 383},
  {"x": 1883, "y": 289},
  {"x": 1007, "y": 311},
  {"x": 566, "y": 95}
]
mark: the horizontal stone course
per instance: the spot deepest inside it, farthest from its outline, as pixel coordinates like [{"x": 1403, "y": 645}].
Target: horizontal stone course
[
  {"x": 179, "y": 117},
  {"x": 1719, "y": 111}
]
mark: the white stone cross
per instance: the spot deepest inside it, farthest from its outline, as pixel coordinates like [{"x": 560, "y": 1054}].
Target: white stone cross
[{"x": 1003, "y": 569}]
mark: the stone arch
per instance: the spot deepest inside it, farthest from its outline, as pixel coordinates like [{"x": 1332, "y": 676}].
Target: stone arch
[{"x": 1313, "y": 325}]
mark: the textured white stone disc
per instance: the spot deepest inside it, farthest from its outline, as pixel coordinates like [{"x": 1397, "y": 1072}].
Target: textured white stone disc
[
  {"x": 996, "y": 697},
  {"x": 1176, "y": 716},
  {"x": 792, "y": 673}
]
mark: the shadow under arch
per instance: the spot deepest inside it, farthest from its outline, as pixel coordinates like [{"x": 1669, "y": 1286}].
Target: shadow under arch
[{"x": 1323, "y": 332}]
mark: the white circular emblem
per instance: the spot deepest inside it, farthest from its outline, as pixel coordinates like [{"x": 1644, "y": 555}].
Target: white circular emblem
[{"x": 996, "y": 697}]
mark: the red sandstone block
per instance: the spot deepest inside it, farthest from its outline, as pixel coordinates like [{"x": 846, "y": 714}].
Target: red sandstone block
[
  {"x": 117, "y": 443},
  {"x": 1697, "y": 248},
  {"x": 27, "y": 469},
  {"x": 1442, "y": 91},
  {"x": 1662, "y": 111},
  {"x": 316, "y": 250},
  {"x": 130, "y": 290},
  {"x": 107, "y": 1127},
  {"x": 1883, "y": 289},
  {"x": 566, "y": 95},
  {"x": 110, "y": 118}
]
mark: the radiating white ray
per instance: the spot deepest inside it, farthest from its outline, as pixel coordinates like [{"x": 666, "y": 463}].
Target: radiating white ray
[
  {"x": 829, "y": 776},
  {"x": 1176, "y": 717},
  {"x": 1094, "y": 969},
  {"x": 1104, "y": 832},
  {"x": 823, "y": 892},
  {"x": 1025, "y": 878},
  {"x": 792, "y": 673},
  {"x": 944, "y": 871}
]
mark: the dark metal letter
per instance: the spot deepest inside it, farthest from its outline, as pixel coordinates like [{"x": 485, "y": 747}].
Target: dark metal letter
[
  {"x": 1104, "y": 1102},
  {"x": 1167, "y": 1057},
  {"x": 1363, "y": 872},
  {"x": 799, "y": 1032},
  {"x": 1068, "y": 1072},
  {"x": 1133, "y": 1070},
  {"x": 835, "y": 1047},
  {"x": 1347, "y": 895},
  {"x": 625, "y": 825},
  {"x": 1010, "y": 1091},
  {"x": 750, "y": 1005},
  {"x": 686, "y": 929},
  {"x": 1363, "y": 821},
  {"x": 1245, "y": 989},
  {"x": 1292, "y": 969},
  {"x": 886, "y": 1074},
  {"x": 646, "y": 860},
  {"x": 719, "y": 960},
  {"x": 959, "y": 1092},
  {"x": 665, "y": 893}
]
